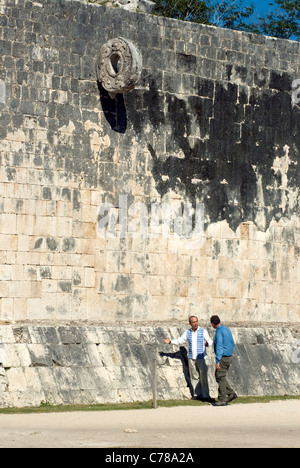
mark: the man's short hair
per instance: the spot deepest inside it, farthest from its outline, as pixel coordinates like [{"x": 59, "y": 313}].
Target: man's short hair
[
  {"x": 192, "y": 316},
  {"x": 215, "y": 320}
]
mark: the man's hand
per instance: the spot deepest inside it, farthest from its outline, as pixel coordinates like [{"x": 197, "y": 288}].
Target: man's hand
[
  {"x": 167, "y": 341},
  {"x": 218, "y": 367}
]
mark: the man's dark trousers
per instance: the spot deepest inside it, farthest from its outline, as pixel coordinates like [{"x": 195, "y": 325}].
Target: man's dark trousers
[{"x": 221, "y": 378}]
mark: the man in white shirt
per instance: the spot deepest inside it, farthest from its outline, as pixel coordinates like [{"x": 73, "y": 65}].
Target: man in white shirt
[{"x": 198, "y": 339}]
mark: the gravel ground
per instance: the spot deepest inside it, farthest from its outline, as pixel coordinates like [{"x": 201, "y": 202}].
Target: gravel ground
[{"x": 275, "y": 424}]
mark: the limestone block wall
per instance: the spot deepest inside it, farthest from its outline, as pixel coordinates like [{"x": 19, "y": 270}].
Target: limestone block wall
[
  {"x": 213, "y": 120},
  {"x": 90, "y": 365}
]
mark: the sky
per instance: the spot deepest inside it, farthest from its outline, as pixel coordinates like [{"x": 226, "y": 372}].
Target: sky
[
  {"x": 263, "y": 6},
  {"x": 262, "y": 9}
]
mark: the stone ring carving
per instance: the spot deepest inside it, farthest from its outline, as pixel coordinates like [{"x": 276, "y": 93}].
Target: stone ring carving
[{"x": 119, "y": 65}]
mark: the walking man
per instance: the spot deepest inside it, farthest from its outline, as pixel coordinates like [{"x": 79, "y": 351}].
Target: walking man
[
  {"x": 224, "y": 347},
  {"x": 198, "y": 339}
]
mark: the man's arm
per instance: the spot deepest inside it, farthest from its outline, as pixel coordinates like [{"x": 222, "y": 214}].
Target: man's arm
[
  {"x": 219, "y": 349},
  {"x": 179, "y": 341},
  {"x": 207, "y": 339}
]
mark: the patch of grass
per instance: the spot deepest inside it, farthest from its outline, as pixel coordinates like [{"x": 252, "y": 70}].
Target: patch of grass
[
  {"x": 264, "y": 399},
  {"x": 48, "y": 408}
]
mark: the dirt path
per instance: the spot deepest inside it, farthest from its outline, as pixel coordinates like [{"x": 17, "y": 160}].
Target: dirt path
[{"x": 275, "y": 424}]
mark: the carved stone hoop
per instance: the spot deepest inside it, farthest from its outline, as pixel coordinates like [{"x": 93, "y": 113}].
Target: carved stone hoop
[{"x": 119, "y": 65}]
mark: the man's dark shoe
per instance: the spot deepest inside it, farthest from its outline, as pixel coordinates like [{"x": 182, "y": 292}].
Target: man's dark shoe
[
  {"x": 220, "y": 403},
  {"x": 207, "y": 400},
  {"x": 232, "y": 397}
]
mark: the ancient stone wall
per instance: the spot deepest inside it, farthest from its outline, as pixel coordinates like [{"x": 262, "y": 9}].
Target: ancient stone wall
[
  {"x": 210, "y": 124},
  {"x": 149, "y": 170},
  {"x": 90, "y": 365}
]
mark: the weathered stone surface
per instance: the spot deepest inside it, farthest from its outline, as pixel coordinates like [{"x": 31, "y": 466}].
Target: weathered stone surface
[
  {"x": 131, "y": 5},
  {"x": 120, "y": 368},
  {"x": 212, "y": 120}
]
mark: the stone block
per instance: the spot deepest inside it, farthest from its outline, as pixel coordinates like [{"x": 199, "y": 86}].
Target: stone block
[
  {"x": 49, "y": 385},
  {"x": 70, "y": 335},
  {"x": 61, "y": 355},
  {"x": 16, "y": 379},
  {"x": 66, "y": 379},
  {"x": 6, "y": 334},
  {"x": 40, "y": 355}
]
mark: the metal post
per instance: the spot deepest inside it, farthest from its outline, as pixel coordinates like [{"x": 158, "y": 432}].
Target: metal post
[{"x": 154, "y": 383}]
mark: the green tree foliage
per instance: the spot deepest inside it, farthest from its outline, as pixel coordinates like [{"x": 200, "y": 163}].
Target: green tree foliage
[
  {"x": 231, "y": 14},
  {"x": 187, "y": 10},
  {"x": 282, "y": 22}
]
